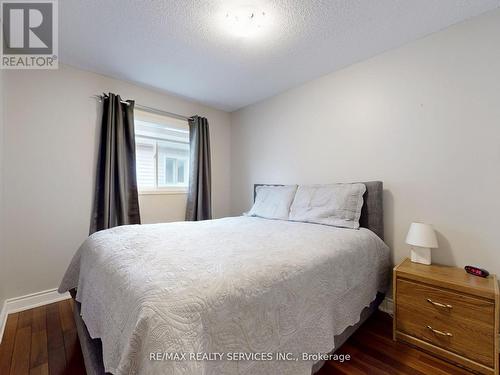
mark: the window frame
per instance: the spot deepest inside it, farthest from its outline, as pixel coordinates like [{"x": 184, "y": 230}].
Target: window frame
[{"x": 145, "y": 116}]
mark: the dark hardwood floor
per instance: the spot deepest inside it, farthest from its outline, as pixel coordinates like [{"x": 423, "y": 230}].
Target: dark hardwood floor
[{"x": 44, "y": 341}]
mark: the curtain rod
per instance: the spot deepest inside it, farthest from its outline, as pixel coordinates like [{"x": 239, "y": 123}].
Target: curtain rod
[{"x": 149, "y": 109}]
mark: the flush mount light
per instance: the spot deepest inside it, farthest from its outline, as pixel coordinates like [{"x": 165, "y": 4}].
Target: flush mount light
[{"x": 245, "y": 21}]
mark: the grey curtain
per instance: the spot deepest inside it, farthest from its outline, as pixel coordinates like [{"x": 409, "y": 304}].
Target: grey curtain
[
  {"x": 199, "y": 201},
  {"x": 115, "y": 198}
]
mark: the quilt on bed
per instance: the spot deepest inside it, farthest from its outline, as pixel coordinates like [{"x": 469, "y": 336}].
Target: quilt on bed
[{"x": 223, "y": 287}]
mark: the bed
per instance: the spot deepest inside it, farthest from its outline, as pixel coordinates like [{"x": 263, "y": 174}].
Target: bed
[{"x": 244, "y": 288}]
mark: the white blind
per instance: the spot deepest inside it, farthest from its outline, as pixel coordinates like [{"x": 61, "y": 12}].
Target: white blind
[{"x": 145, "y": 163}]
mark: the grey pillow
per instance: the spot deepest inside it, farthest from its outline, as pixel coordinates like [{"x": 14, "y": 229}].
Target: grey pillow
[
  {"x": 273, "y": 202},
  {"x": 338, "y": 205}
]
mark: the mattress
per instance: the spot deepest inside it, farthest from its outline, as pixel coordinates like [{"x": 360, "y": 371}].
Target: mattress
[{"x": 245, "y": 289}]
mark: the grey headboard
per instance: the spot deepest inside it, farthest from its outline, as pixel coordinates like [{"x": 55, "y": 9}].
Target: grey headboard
[{"x": 372, "y": 213}]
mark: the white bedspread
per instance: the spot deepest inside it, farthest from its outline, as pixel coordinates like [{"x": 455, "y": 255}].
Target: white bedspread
[{"x": 232, "y": 285}]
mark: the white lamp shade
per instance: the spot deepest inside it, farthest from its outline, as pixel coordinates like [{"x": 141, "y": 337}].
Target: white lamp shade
[{"x": 422, "y": 235}]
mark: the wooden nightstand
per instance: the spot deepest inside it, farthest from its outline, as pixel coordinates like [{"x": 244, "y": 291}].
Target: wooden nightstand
[{"x": 448, "y": 313}]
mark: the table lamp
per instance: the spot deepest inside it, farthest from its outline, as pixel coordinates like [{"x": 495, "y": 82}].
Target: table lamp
[{"x": 422, "y": 238}]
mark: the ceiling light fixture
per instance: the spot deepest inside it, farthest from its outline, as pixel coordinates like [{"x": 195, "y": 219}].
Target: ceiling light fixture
[{"x": 245, "y": 21}]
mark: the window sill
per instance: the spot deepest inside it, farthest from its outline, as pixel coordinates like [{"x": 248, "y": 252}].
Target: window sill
[{"x": 163, "y": 192}]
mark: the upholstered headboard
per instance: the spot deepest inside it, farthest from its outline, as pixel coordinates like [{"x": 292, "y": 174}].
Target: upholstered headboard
[{"x": 372, "y": 213}]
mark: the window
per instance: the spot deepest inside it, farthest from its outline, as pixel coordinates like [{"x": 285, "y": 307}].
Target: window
[{"x": 162, "y": 153}]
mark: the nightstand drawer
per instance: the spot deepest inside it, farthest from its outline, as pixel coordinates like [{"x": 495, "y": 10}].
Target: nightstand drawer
[
  {"x": 461, "y": 324},
  {"x": 448, "y": 305}
]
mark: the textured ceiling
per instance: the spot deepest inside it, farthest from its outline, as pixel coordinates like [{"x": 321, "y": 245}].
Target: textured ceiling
[{"x": 179, "y": 47}]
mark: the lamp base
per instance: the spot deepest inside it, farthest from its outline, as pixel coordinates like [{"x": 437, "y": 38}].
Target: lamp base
[{"x": 421, "y": 255}]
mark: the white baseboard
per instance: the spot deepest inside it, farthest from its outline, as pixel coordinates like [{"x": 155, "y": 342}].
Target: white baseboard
[
  {"x": 387, "y": 306},
  {"x": 29, "y": 301},
  {"x": 3, "y": 320}
]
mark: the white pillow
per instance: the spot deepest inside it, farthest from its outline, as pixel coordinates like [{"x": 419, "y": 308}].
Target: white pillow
[
  {"x": 338, "y": 205},
  {"x": 273, "y": 202}
]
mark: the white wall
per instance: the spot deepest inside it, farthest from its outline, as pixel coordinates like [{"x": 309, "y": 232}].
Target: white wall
[
  {"x": 164, "y": 208},
  {"x": 49, "y": 159},
  {"x": 424, "y": 118}
]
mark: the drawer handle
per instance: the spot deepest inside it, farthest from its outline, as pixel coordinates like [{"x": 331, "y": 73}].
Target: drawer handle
[
  {"x": 439, "y": 304},
  {"x": 447, "y": 334}
]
